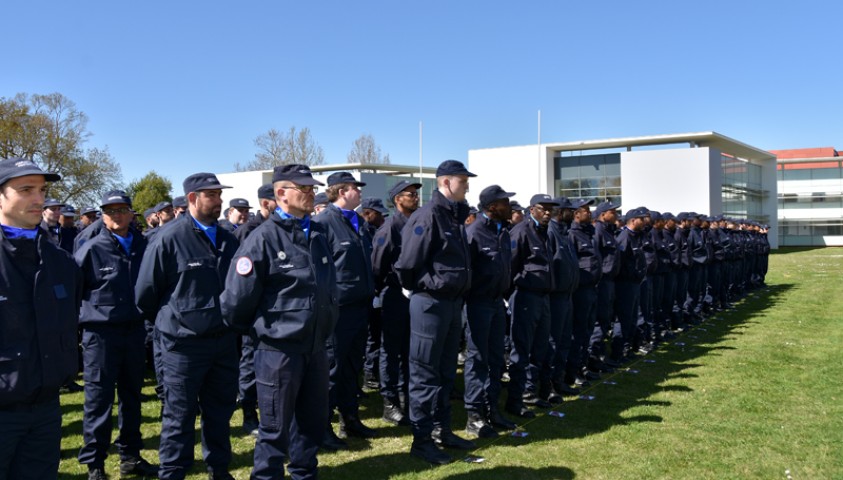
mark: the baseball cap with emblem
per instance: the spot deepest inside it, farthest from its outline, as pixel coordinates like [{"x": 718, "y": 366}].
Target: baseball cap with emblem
[
  {"x": 542, "y": 198},
  {"x": 344, "y": 177},
  {"x": 400, "y": 186},
  {"x": 375, "y": 204},
  {"x": 115, "y": 197},
  {"x": 20, "y": 167},
  {"x": 493, "y": 193},
  {"x": 239, "y": 203},
  {"x": 161, "y": 206},
  {"x": 68, "y": 211},
  {"x": 266, "y": 192},
  {"x": 52, "y": 202},
  {"x": 604, "y": 207},
  {"x": 452, "y": 167},
  {"x": 180, "y": 202},
  {"x": 296, "y": 173},
  {"x": 201, "y": 181}
]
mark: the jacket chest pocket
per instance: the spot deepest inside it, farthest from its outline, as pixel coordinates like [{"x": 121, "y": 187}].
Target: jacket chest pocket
[
  {"x": 16, "y": 318},
  {"x": 199, "y": 284}
]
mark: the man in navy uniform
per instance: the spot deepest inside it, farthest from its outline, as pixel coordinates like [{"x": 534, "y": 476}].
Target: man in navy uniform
[
  {"x": 532, "y": 280},
  {"x": 50, "y": 221},
  {"x": 631, "y": 273},
  {"x": 67, "y": 228},
  {"x": 248, "y": 389},
  {"x": 351, "y": 245},
  {"x": 395, "y": 332},
  {"x": 179, "y": 206},
  {"x": 40, "y": 293},
  {"x": 237, "y": 214},
  {"x": 113, "y": 338},
  {"x": 434, "y": 265},
  {"x": 490, "y": 248},
  {"x": 180, "y": 280},
  {"x": 605, "y": 215},
  {"x": 375, "y": 213},
  {"x": 282, "y": 287}
]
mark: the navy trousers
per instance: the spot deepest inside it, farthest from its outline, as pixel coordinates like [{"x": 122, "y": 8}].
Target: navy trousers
[
  {"x": 30, "y": 443},
  {"x": 561, "y": 337},
  {"x": 395, "y": 345},
  {"x": 248, "y": 389},
  {"x": 585, "y": 319},
  {"x": 199, "y": 374},
  {"x": 484, "y": 361},
  {"x": 530, "y": 333},
  {"x": 435, "y": 326},
  {"x": 605, "y": 316},
  {"x": 346, "y": 349},
  {"x": 112, "y": 355},
  {"x": 626, "y": 305},
  {"x": 292, "y": 398}
]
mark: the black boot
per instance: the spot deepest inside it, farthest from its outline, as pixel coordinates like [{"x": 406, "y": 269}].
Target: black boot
[
  {"x": 351, "y": 426},
  {"x": 332, "y": 442},
  {"x": 479, "y": 426},
  {"x": 250, "y": 421},
  {"x": 499, "y": 421},
  {"x": 137, "y": 466},
  {"x": 427, "y": 450},
  {"x": 446, "y": 438},
  {"x": 393, "y": 414}
]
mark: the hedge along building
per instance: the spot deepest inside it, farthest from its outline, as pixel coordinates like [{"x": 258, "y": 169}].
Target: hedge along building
[{"x": 705, "y": 172}]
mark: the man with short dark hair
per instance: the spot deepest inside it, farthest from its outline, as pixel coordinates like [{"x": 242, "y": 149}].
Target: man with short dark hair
[
  {"x": 237, "y": 214},
  {"x": 282, "y": 287},
  {"x": 435, "y": 268},
  {"x": 41, "y": 294},
  {"x": 179, "y": 206},
  {"x": 50, "y": 222},
  {"x": 179, "y": 283},
  {"x": 113, "y": 340},
  {"x": 631, "y": 273},
  {"x": 490, "y": 251},
  {"x": 395, "y": 332},
  {"x": 374, "y": 212},
  {"x": 351, "y": 248}
]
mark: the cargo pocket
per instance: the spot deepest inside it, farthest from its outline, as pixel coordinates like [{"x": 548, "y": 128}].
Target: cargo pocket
[
  {"x": 268, "y": 395},
  {"x": 421, "y": 348}
]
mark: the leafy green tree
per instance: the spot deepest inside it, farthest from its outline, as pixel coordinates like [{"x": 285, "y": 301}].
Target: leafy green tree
[
  {"x": 51, "y": 131},
  {"x": 149, "y": 191}
]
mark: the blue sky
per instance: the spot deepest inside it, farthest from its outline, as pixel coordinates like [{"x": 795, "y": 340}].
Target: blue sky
[{"x": 181, "y": 87}]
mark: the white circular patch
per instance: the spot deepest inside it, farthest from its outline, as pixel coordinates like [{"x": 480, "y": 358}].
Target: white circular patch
[
  {"x": 244, "y": 265},
  {"x": 282, "y": 256}
]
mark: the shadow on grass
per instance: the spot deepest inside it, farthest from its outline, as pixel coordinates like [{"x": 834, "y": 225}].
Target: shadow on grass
[{"x": 787, "y": 250}]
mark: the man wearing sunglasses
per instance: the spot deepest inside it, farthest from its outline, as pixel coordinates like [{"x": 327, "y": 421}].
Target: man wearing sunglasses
[{"x": 113, "y": 338}]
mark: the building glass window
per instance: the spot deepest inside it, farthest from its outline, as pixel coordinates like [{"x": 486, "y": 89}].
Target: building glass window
[
  {"x": 741, "y": 192},
  {"x": 596, "y": 177}
]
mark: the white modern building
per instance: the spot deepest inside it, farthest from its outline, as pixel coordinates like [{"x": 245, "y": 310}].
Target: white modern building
[
  {"x": 810, "y": 194},
  {"x": 705, "y": 172}
]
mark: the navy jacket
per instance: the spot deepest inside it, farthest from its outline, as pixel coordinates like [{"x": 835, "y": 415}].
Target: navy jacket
[
  {"x": 669, "y": 238},
  {"x": 663, "y": 243},
  {"x": 87, "y": 233},
  {"x": 697, "y": 247},
  {"x": 588, "y": 253},
  {"x": 531, "y": 258},
  {"x": 605, "y": 236},
  {"x": 386, "y": 245},
  {"x": 649, "y": 249},
  {"x": 244, "y": 230},
  {"x": 434, "y": 254},
  {"x": 181, "y": 277},
  {"x": 630, "y": 251},
  {"x": 109, "y": 279},
  {"x": 491, "y": 254},
  {"x": 40, "y": 293},
  {"x": 565, "y": 265},
  {"x": 352, "y": 255},
  {"x": 282, "y": 285}
]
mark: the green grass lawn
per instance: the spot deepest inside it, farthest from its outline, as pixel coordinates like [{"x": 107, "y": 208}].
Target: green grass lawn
[{"x": 753, "y": 393}]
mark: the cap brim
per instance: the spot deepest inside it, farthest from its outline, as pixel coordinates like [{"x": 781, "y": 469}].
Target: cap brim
[
  {"x": 212, "y": 187},
  {"x": 307, "y": 181}
]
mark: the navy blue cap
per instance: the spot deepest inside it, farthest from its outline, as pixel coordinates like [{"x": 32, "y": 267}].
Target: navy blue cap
[
  {"x": 266, "y": 192},
  {"x": 20, "y": 167},
  {"x": 668, "y": 216},
  {"x": 115, "y": 197},
  {"x": 52, "y": 202},
  {"x": 375, "y": 204},
  {"x": 542, "y": 198},
  {"x": 87, "y": 210},
  {"x": 296, "y": 173},
  {"x": 493, "y": 193},
  {"x": 692, "y": 215},
  {"x": 239, "y": 203},
  {"x": 565, "y": 202},
  {"x": 639, "y": 212},
  {"x": 148, "y": 212},
  {"x": 344, "y": 177},
  {"x": 515, "y": 206},
  {"x": 604, "y": 207},
  {"x": 473, "y": 211},
  {"x": 401, "y": 186},
  {"x": 321, "y": 198},
  {"x": 180, "y": 202},
  {"x": 654, "y": 215},
  {"x": 452, "y": 167},
  {"x": 161, "y": 206},
  {"x": 201, "y": 181},
  {"x": 68, "y": 211}
]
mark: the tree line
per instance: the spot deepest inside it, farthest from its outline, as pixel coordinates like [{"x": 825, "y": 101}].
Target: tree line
[{"x": 51, "y": 131}]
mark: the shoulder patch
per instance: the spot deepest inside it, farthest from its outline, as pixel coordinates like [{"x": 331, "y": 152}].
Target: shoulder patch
[
  {"x": 418, "y": 230},
  {"x": 513, "y": 244},
  {"x": 381, "y": 241},
  {"x": 244, "y": 266}
]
